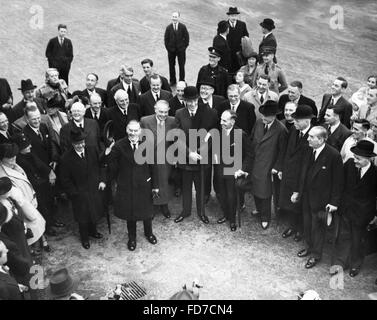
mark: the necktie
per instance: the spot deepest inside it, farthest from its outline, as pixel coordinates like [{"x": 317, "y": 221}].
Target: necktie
[
  {"x": 129, "y": 91},
  {"x": 157, "y": 97},
  {"x": 192, "y": 114},
  {"x": 358, "y": 177},
  {"x": 134, "y": 146},
  {"x": 83, "y": 155},
  {"x": 96, "y": 116},
  {"x": 261, "y": 99},
  {"x": 368, "y": 112},
  {"x": 265, "y": 129},
  {"x": 39, "y": 135},
  {"x": 332, "y": 102},
  {"x": 7, "y": 133},
  {"x": 300, "y": 135}
]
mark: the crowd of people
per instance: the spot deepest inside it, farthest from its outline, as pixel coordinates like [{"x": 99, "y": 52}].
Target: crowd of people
[{"x": 314, "y": 165}]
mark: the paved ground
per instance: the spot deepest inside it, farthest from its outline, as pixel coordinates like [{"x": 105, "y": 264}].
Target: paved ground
[{"x": 247, "y": 264}]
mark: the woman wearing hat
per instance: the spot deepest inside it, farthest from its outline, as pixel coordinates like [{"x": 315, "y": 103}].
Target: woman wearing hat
[
  {"x": 250, "y": 69},
  {"x": 240, "y": 81},
  {"x": 358, "y": 207}
]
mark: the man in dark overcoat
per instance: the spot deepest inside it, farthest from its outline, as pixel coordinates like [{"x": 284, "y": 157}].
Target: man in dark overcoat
[
  {"x": 82, "y": 178},
  {"x": 137, "y": 184}
]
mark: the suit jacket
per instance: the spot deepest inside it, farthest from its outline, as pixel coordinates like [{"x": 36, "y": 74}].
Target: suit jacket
[
  {"x": 245, "y": 115},
  {"x": 120, "y": 121},
  {"x": 80, "y": 179},
  {"x": 145, "y": 85},
  {"x": 341, "y": 103},
  {"x": 302, "y": 100},
  {"x": 42, "y": 148},
  {"x": 269, "y": 41},
  {"x": 91, "y": 128},
  {"x": 235, "y": 34},
  {"x": 267, "y": 153},
  {"x": 9, "y": 288},
  {"x": 4, "y": 139},
  {"x": 253, "y": 98},
  {"x": 337, "y": 138},
  {"x": 133, "y": 97},
  {"x": 205, "y": 118},
  {"x": 322, "y": 183},
  {"x": 296, "y": 148},
  {"x": 176, "y": 40},
  {"x": 216, "y": 102},
  {"x": 101, "y": 92},
  {"x": 218, "y": 74},
  {"x": 175, "y": 105},
  {"x": 103, "y": 118},
  {"x": 5, "y": 92},
  {"x": 59, "y": 56},
  {"x": 36, "y": 170},
  {"x": 147, "y": 101},
  {"x": 222, "y": 45},
  {"x": 359, "y": 196}
]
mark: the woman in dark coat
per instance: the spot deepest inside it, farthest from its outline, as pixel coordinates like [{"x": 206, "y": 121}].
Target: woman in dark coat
[{"x": 135, "y": 184}]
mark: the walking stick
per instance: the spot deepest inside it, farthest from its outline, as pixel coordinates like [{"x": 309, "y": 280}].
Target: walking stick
[
  {"x": 336, "y": 218},
  {"x": 274, "y": 199},
  {"x": 108, "y": 194},
  {"x": 238, "y": 207}
]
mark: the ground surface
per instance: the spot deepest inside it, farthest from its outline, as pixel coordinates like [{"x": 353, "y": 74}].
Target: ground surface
[{"x": 247, "y": 264}]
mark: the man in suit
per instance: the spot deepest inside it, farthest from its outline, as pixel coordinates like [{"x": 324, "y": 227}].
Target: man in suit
[
  {"x": 122, "y": 113},
  {"x": 137, "y": 184},
  {"x": 220, "y": 42},
  {"x": 215, "y": 72},
  {"x": 27, "y": 89},
  {"x": 82, "y": 178},
  {"x": 177, "y": 102},
  {"x": 297, "y": 145},
  {"x": 239, "y": 147},
  {"x": 358, "y": 207},
  {"x": 338, "y": 133},
  {"x": 335, "y": 98},
  {"x": 295, "y": 95},
  {"x": 5, "y": 130},
  {"x": 261, "y": 94},
  {"x": 97, "y": 112},
  {"x": 91, "y": 88},
  {"x": 237, "y": 30},
  {"x": 89, "y": 126},
  {"x": 6, "y": 96},
  {"x": 268, "y": 39},
  {"x": 126, "y": 83},
  {"x": 155, "y": 93},
  {"x": 207, "y": 96},
  {"x": 194, "y": 116},
  {"x": 160, "y": 124},
  {"x": 59, "y": 53},
  {"x": 269, "y": 140},
  {"x": 176, "y": 42},
  {"x": 147, "y": 65},
  {"x": 320, "y": 187},
  {"x": 245, "y": 110}
]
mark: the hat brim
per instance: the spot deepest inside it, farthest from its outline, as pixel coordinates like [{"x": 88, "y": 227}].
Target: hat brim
[
  {"x": 299, "y": 117},
  {"x": 207, "y": 84},
  {"x": 191, "y": 97},
  {"x": 28, "y": 88},
  {"x": 108, "y": 132},
  {"x": 229, "y": 13},
  {"x": 362, "y": 153},
  {"x": 268, "y": 113},
  {"x": 266, "y": 26},
  {"x": 68, "y": 291}
]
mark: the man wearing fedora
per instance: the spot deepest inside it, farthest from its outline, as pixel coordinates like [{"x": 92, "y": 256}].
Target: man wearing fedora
[
  {"x": 357, "y": 208},
  {"x": 194, "y": 116},
  {"x": 320, "y": 187},
  {"x": 62, "y": 286},
  {"x": 220, "y": 42},
  {"x": 237, "y": 30},
  {"x": 59, "y": 52},
  {"x": 82, "y": 178},
  {"x": 27, "y": 89},
  {"x": 268, "y": 39},
  {"x": 268, "y": 145},
  {"x": 215, "y": 72},
  {"x": 297, "y": 145},
  {"x": 176, "y": 40}
]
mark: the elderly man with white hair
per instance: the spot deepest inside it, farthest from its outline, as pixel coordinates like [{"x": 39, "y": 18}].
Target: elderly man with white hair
[
  {"x": 122, "y": 113},
  {"x": 89, "y": 126}
]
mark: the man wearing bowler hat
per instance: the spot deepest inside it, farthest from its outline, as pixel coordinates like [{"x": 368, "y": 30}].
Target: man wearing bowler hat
[
  {"x": 268, "y": 39},
  {"x": 215, "y": 72},
  {"x": 62, "y": 286},
  {"x": 296, "y": 146},
  {"x": 237, "y": 30},
  {"x": 82, "y": 178},
  {"x": 220, "y": 42},
  {"x": 268, "y": 145},
  {"x": 320, "y": 188},
  {"x": 358, "y": 207},
  {"x": 27, "y": 89}
]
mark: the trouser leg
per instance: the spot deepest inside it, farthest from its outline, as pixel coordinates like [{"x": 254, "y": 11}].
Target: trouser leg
[{"x": 131, "y": 228}]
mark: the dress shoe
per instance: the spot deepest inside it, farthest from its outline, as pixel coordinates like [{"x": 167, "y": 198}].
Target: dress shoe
[
  {"x": 311, "y": 263},
  {"x": 152, "y": 239},
  {"x": 221, "y": 220},
  {"x": 85, "y": 244},
  {"x": 131, "y": 245},
  {"x": 204, "y": 218},
  {"x": 97, "y": 235},
  {"x": 354, "y": 272},
  {"x": 166, "y": 213},
  {"x": 59, "y": 224},
  {"x": 265, "y": 225},
  {"x": 303, "y": 253},
  {"x": 297, "y": 237},
  {"x": 287, "y": 233},
  {"x": 179, "y": 219},
  {"x": 335, "y": 270},
  {"x": 233, "y": 227}
]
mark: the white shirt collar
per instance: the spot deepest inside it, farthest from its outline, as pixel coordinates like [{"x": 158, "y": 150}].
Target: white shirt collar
[
  {"x": 223, "y": 36},
  {"x": 93, "y": 113},
  {"x": 123, "y": 111},
  {"x": 333, "y": 128},
  {"x": 335, "y": 99},
  {"x": 37, "y": 131},
  {"x": 80, "y": 153},
  {"x": 4, "y": 133},
  {"x": 364, "y": 169},
  {"x": 305, "y": 130},
  {"x": 236, "y": 106},
  {"x": 79, "y": 124},
  {"x": 126, "y": 86},
  {"x": 159, "y": 121},
  {"x": 319, "y": 150},
  {"x": 265, "y": 36}
]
